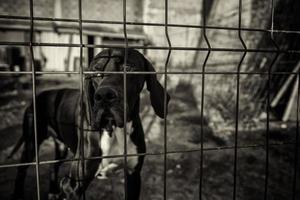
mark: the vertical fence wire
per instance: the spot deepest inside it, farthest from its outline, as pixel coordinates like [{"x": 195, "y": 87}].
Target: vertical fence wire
[
  {"x": 267, "y": 139},
  {"x": 203, "y": 13},
  {"x": 81, "y": 76},
  {"x": 296, "y": 141},
  {"x": 33, "y": 73},
  {"x": 235, "y": 164},
  {"x": 165, "y": 99},
  {"x": 125, "y": 97}
]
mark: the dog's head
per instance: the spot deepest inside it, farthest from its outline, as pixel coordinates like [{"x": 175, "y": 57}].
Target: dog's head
[{"x": 104, "y": 93}]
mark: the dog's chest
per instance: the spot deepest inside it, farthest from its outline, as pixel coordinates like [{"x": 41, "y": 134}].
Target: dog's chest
[{"x": 113, "y": 145}]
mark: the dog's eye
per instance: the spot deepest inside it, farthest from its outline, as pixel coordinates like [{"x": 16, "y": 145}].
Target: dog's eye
[
  {"x": 128, "y": 68},
  {"x": 101, "y": 75},
  {"x": 118, "y": 60},
  {"x": 95, "y": 85}
]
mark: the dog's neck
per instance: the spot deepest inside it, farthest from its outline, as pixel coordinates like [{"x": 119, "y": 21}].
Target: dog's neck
[
  {"x": 135, "y": 110},
  {"x": 113, "y": 145}
]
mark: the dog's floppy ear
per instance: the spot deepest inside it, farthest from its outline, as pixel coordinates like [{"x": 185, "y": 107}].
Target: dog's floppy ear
[
  {"x": 89, "y": 92},
  {"x": 156, "y": 90}
]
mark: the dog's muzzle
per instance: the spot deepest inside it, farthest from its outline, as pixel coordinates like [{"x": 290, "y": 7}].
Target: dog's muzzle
[
  {"x": 107, "y": 122},
  {"x": 106, "y": 95},
  {"x": 107, "y": 112}
]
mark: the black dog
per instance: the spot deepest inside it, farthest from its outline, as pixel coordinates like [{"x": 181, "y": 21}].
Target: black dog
[{"x": 103, "y": 121}]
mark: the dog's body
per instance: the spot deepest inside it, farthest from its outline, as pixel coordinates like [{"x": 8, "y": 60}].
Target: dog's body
[{"x": 103, "y": 123}]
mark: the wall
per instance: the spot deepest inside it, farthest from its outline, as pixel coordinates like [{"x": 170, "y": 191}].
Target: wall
[
  {"x": 224, "y": 13},
  {"x": 110, "y": 10},
  {"x": 21, "y": 7},
  {"x": 107, "y": 10},
  {"x": 182, "y": 12}
]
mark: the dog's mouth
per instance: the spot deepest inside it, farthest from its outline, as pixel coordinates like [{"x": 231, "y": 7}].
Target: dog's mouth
[{"x": 108, "y": 120}]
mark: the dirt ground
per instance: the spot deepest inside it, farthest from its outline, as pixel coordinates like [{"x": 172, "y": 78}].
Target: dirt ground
[{"x": 183, "y": 133}]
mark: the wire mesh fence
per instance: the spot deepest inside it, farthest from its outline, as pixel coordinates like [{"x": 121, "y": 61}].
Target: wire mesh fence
[{"x": 83, "y": 74}]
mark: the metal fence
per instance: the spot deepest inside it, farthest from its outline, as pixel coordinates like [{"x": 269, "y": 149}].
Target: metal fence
[{"x": 203, "y": 26}]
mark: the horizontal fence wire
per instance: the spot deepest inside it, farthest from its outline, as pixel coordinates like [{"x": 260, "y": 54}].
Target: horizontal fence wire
[
  {"x": 88, "y": 73},
  {"x": 174, "y": 48},
  {"x": 48, "y": 19},
  {"x": 208, "y": 149}
]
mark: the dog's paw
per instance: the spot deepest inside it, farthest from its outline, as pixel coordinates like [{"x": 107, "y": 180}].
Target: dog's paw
[
  {"x": 101, "y": 176},
  {"x": 53, "y": 196},
  {"x": 107, "y": 171},
  {"x": 16, "y": 198}
]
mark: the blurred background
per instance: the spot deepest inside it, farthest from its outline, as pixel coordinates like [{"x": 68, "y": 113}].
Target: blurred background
[{"x": 102, "y": 25}]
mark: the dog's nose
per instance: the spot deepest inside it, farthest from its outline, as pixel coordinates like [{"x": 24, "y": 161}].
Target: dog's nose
[{"x": 106, "y": 94}]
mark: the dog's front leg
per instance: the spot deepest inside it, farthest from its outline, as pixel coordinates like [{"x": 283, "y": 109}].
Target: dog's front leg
[
  {"x": 133, "y": 185},
  {"x": 74, "y": 185}
]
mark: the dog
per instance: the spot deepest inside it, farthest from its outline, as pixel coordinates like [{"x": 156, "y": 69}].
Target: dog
[{"x": 103, "y": 122}]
